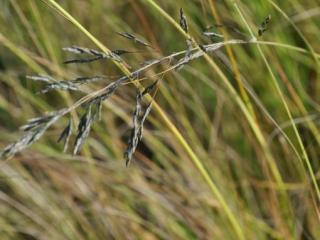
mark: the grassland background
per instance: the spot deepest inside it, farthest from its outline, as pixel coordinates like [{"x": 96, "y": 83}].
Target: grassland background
[{"x": 46, "y": 194}]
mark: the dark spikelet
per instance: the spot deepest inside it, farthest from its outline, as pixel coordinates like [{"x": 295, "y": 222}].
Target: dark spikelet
[
  {"x": 134, "y": 137},
  {"x": 183, "y": 21},
  {"x": 97, "y": 55},
  {"x": 133, "y": 38},
  {"x": 65, "y": 135},
  {"x": 84, "y": 127},
  {"x": 23, "y": 142},
  {"x": 82, "y": 60},
  {"x": 120, "y": 52},
  {"x": 36, "y": 122},
  {"x": 138, "y": 121},
  {"x": 264, "y": 25},
  {"x": 37, "y": 128},
  {"x": 112, "y": 56},
  {"x": 82, "y": 50},
  {"x": 127, "y": 35}
]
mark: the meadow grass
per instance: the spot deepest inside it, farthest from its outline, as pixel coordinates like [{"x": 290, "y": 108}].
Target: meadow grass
[{"x": 215, "y": 160}]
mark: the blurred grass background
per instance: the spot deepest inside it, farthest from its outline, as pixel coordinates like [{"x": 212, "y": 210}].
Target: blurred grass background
[{"x": 45, "y": 194}]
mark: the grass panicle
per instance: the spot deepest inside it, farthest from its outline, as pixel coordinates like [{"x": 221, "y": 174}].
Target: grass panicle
[{"x": 186, "y": 56}]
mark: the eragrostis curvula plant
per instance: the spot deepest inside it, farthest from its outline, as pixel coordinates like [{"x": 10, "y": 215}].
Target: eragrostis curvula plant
[
  {"x": 92, "y": 103},
  {"x": 208, "y": 139}
]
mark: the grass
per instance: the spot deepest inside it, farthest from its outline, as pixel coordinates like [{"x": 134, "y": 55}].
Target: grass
[{"x": 205, "y": 168}]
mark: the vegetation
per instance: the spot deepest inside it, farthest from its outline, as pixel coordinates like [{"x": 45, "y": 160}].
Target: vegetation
[{"x": 159, "y": 119}]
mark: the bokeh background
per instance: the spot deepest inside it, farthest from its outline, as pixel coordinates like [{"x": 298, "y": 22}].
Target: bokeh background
[{"x": 48, "y": 194}]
